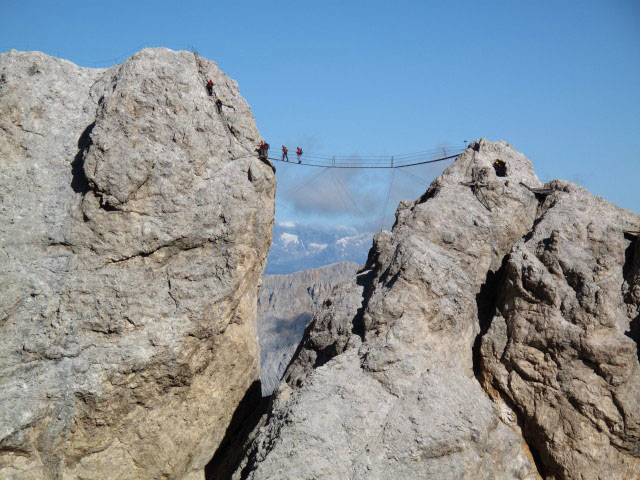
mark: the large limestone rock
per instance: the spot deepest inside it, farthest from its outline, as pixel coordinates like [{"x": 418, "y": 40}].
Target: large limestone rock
[
  {"x": 562, "y": 347},
  {"x": 286, "y": 304},
  {"x": 133, "y": 233},
  {"x": 383, "y": 383},
  {"x": 495, "y": 335}
]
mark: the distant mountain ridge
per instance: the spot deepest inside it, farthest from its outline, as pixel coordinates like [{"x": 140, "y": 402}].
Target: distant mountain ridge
[
  {"x": 298, "y": 247},
  {"x": 286, "y": 304}
]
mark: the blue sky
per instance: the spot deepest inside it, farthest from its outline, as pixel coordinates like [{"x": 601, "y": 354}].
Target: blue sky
[{"x": 558, "y": 80}]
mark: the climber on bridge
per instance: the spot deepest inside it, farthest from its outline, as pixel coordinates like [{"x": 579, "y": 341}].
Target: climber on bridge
[
  {"x": 210, "y": 87},
  {"x": 285, "y": 154},
  {"x": 263, "y": 150},
  {"x": 218, "y": 104},
  {"x": 299, "y": 154},
  {"x": 260, "y": 150}
]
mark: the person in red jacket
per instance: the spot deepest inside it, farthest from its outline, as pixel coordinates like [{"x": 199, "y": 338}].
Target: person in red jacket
[
  {"x": 299, "y": 154},
  {"x": 210, "y": 88},
  {"x": 263, "y": 150},
  {"x": 260, "y": 150},
  {"x": 285, "y": 154}
]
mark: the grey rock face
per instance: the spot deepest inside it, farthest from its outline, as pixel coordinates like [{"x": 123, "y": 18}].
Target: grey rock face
[
  {"x": 561, "y": 347},
  {"x": 286, "y": 304},
  {"x": 482, "y": 283},
  {"x": 383, "y": 384},
  {"x": 335, "y": 327},
  {"x": 131, "y": 248}
]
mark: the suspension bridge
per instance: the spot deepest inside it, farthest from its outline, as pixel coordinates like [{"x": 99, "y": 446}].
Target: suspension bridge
[
  {"x": 395, "y": 163},
  {"x": 372, "y": 161}
]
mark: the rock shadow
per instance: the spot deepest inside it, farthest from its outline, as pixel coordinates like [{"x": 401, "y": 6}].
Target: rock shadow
[
  {"x": 486, "y": 303},
  {"x": 366, "y": 281},
  {"x": 488, "y": 300},
  {"x": 630, "y": 256},
  {"x": 79, "y": 182},
  {"x": 634, "y": 334},
  {"x": 629, "y": 270},
  {"x": 232, "y": 449}
]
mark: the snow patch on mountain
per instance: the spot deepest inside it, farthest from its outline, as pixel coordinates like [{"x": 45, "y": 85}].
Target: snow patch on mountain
[
  {"x": 288, "y": 238},
  {"x": 359, "y": 240}
]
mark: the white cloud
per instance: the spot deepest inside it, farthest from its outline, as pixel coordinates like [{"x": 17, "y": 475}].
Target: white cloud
[
  {"x": 288, "y": 238},
  {"x": 287, "y": 224},
  {"x": 346, "y": 228}
]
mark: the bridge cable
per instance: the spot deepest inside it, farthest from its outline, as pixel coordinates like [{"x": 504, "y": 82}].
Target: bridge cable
[
  {"x": 431, "y": 152},
  {"x": 415, "y": 178},
  {"x": 335, "y": 183},
  {"x": 299, "y": 187},
  {"x": 424, "y": 162},
  {"x": 354, "y": 203},
  {"x": 386, "y": 204}
]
